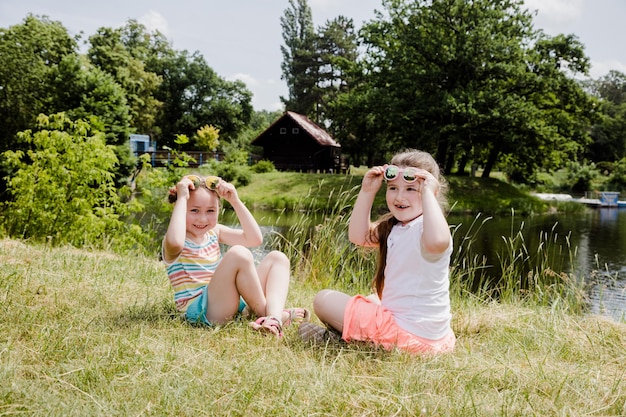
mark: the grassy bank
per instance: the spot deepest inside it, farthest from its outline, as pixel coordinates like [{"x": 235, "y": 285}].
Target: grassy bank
[
  {"x": 94, "y": 333},
  {"x": 292, "y": 190}
]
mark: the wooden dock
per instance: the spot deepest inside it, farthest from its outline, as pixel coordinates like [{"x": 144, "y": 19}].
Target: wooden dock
[{"x": 595, "y": 199}]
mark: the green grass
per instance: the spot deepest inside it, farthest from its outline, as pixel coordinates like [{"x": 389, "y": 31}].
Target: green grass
[
  {"x": 95, "y": 333},
  {"x": 91, "y": 333}
]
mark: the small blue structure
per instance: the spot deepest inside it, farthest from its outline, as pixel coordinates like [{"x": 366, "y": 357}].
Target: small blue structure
[
  {"x": 608, "y": 198},
  {"x": 140, "y": 144}
]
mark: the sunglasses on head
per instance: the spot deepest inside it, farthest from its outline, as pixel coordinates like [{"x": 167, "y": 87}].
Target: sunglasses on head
[
  {"x": 210, "y": 182},
  {"x": 409, "y": 174}
]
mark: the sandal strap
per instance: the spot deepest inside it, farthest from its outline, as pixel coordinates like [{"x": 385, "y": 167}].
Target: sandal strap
[{"x": 268, "y": 324}]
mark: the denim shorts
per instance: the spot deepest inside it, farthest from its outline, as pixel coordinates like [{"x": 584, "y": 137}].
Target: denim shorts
[{"x": 196, "y": 310}]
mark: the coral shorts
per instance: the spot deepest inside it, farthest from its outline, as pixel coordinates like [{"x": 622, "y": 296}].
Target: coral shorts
[{"x": 367, "y": 321}]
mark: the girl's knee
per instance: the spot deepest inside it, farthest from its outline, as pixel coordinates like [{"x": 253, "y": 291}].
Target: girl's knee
[
  {"x": 240, "y": 253},
  {"x": 278, "y": 257},
  {"x": 320, "y": 301}
]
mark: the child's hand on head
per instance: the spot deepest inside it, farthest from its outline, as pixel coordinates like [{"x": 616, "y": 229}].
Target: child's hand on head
[
  {"x": 373, "y": 179},
  {"x": 182, "y": 188},
  {"x": 427, "y": 180},
  {"x": 226, "y": 191}
]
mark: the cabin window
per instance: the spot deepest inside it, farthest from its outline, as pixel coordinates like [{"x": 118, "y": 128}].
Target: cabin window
[
  {"x": 295, "y": 131},
  {"x": 283, "y": 130}
]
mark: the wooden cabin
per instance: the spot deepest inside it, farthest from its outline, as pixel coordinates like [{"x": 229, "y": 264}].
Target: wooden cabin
[{"x": 295, "y": 143}]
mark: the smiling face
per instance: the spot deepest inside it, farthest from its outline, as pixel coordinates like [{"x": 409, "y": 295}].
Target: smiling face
[
  {"x": 203, "y": 209},
  {"x": 403, "y": 199}
]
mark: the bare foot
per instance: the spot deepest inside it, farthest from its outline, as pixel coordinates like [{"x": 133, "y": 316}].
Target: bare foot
[{"x": 295, "y": 315}]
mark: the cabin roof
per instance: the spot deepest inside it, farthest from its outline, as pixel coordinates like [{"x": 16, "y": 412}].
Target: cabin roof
[{"x": 315, "y": 132}]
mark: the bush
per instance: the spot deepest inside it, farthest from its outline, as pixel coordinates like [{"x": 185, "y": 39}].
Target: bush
[
  {"x": 63, "y": 188},
  {"x": 263, "y": 166},
  {"x": 581, "y": 176},
  {"x": 617, "y": 179},
  {"x": 239, "y": 175}
]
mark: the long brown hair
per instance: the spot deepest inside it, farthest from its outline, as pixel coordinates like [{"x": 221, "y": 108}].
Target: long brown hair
[{"x": 406, "y": 158}]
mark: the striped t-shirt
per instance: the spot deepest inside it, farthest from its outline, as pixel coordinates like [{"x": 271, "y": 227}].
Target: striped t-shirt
[{"x": 193, "y": 269}]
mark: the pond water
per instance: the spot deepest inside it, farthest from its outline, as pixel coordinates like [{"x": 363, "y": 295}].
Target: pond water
[{"x": 591, "y": 245}]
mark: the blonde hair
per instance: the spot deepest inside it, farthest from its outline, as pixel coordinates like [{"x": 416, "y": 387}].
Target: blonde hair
[{"x": 403, "y": 159}]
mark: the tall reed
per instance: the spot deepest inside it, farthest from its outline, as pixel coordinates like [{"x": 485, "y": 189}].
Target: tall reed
[
  {"x": 320, "y": 251},
  {"x": 322, "y": 256},
  {"x": 540, "y": 277}
]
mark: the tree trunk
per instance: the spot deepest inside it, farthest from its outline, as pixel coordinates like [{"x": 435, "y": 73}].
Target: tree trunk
[
  {"x": 491, "y": 161},
  {"x": 442, "y": 151},
  {"x": 462, "y": 164}
]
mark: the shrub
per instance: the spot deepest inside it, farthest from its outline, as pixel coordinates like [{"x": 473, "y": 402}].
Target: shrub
[
  {"x": 239, "y": 175},
  {"x": 63, "y": 187},
  {"x": 581, "y": 176},
  {"x": 263, "y": 166}
]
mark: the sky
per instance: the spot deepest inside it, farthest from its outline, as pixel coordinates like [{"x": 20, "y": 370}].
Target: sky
[{"x": 241, "y": 39}]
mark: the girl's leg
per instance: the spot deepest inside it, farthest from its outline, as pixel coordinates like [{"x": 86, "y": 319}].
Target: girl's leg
[
  {"x": 274, "y": 272},
  {"x": 330, "y": 306},
  {"x": 234, "y": 276}
]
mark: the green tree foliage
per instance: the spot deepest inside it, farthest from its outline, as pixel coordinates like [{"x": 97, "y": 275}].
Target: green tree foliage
[
  {"x": 609, "y": 134},
  {"x": 62, "y": 189},
  {"x": 469, "y": 82},
  {"x": 337, "y": 50},
  {"x": 48, "y": 76},
  {"x": 30, "y": 54},
  {"x": 94, "y": 95},
  {"x": 316, "y": 65},
  {"x": 115, "y": 52},
  {"x": 194, "y": 95},
  {"x": 300, "y": 68},
  {"x": 207, "y": 138}
]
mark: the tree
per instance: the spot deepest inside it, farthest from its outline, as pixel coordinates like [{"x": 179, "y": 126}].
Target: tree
[
  {"x": 337, "y": 51},
  {"x": 193, "y": 95},
  {"x": 30, "y": 53},
  {"x": 609, "y": 134},
  {"x": 300, "y": 59},
  {"x": 459, "y": 79},
  {"x": 114, "y": 52},
  {"x": 207, "y": 138},
  {"x": 47, "y": 76}
]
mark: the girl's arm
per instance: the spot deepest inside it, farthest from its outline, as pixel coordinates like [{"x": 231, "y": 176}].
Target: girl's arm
[
  {"x": 436, "y": 237},
  {"x": 177, "y": 229},
  {"x": 250, "y": 233},
  {"x": 360, "y": 227}
]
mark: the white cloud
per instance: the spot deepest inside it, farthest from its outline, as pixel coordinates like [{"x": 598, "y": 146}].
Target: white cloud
[
  {"x": 600, "y": 69},
  {"x": 277, "y": 105},
  {"x": 154, "y": 21},
  {"x": 557, "y": 11},
  {"x": 248, "y": 79}
]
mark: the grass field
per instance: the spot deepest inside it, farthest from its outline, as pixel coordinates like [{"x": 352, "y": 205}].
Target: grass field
[{"x": 91, "y": 333}]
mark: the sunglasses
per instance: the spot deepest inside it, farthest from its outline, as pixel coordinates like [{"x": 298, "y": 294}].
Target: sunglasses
[
  {"x": 210, "y": 182},
  {"x": 409, "y": 175}
]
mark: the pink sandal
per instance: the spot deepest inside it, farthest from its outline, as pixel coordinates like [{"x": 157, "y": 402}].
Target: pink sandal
[{"x": 268, "y": 325}]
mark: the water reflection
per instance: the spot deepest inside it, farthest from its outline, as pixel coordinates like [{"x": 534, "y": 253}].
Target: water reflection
[{"x": 592, "y": 245}]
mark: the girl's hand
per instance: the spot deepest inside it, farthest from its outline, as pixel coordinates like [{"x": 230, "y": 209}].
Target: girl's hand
[
  {"x": 373, "y": 179},
  {"x": 182, "y": 188},
  {"x": 426, "y": 180},
  {"x": 226, "y": 191}
]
